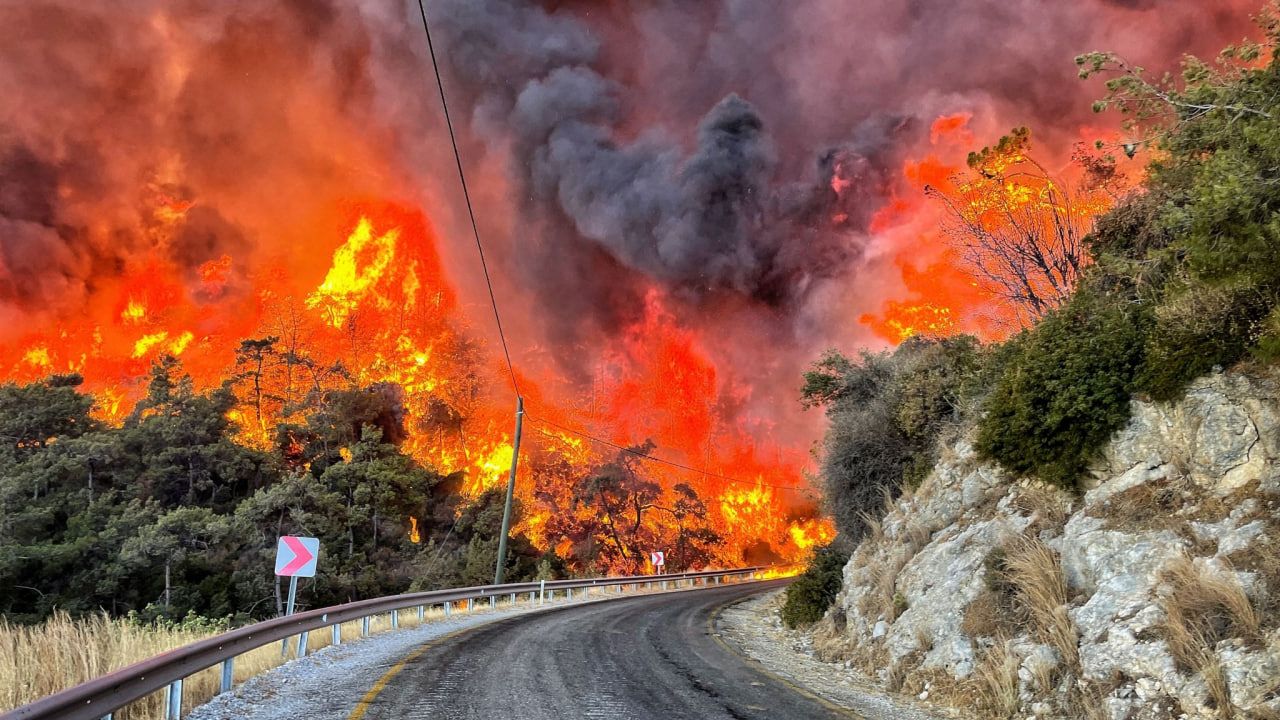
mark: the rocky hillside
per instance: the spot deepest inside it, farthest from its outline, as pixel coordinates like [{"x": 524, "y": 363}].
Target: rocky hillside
[{"x": 1153, "y": 594}]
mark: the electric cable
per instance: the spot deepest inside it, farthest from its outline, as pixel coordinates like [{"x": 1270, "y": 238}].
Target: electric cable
[
  {"x": 497, "y": 316},
  {"x": 466, "y": 194},
  {"x": 646, "y": 456}
]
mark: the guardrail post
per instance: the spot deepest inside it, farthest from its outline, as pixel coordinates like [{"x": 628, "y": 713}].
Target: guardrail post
[
  {"x": 422, "y": 612},
  {"x": 301, "y": 651},
  {"x": 337, "y": 634},
  {"x": 568, "y": 593},
  {"x": 542, "y": 591},
  {"x": 364, "y": 626},
  {"x": 173, "y": 701},
  {"x": 447, "y": 608},
  {"x": 532, "y": 596},
  {"x": 493, "y": 601},
  {"x": 228, "y": 675},
  {"x": 395, "y": 619},
  {"x": 471, "y": 604},
  {"x": 513, "y": 598}
]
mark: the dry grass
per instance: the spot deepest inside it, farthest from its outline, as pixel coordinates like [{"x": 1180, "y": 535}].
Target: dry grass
[
  {"x": 831, "y": 642},
  {"x": 944, "y": 688},
  {"x": 61, "y": 652},
  {"x": 1152, "y": 505},
  {"x": 883, "y": 600},
  {"x": 1203, "y": 607},
  {"x": 1048, "y": 504},
  {"x": 988, "y": 616},
  {"x": 1266, "y": 693},
  {"x": 1263, "y": 712},
  {"x": 995, "y": 681},
  {"x": 1262, "y": 556},
  {"x": 1215, "y": 680},
  {"x": 1173, "y": 503},
  {"x": 873, "y": 531},
  {"x": 1035, "y": 571},
  {"x": 1087, "y": 699}
]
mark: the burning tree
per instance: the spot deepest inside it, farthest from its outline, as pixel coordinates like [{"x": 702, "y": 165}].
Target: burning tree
[
  {"x": 1019, "y": 230},
  {"x": 613, "y": 516}
]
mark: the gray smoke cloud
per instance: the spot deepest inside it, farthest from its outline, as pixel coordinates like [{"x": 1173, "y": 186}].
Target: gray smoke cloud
[
  {"x": 730, "y": 152},
  {"x": 720, "y": 217},
  {"x": 736, "y": 151}
]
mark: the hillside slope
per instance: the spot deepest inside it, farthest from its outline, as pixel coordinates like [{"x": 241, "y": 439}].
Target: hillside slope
[{"x": 1155, "y": 594}]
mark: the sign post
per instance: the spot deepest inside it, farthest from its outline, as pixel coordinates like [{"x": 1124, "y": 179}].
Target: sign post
[
  {"x": 295, "y": 557},
  {"x": 659, "y": 560}
]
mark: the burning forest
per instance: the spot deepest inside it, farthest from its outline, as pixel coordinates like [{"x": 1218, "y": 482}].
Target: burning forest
[{"x": 253, "y": 213}]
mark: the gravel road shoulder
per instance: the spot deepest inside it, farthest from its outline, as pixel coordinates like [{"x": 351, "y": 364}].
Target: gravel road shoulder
[
  {"x": 329, "y": 682},
  {"x": 752, "y": 628}
]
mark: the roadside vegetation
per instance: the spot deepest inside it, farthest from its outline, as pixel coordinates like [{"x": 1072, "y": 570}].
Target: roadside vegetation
[
  {"x": 1179, "y": 278},
  {"x": 809, "y": 596},
  {"x": 63, "y": 651},
  {"x": 169, "y": 515}
]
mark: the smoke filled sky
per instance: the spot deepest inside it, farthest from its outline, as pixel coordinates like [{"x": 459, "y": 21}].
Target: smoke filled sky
[{"x": 739, "y": 165}]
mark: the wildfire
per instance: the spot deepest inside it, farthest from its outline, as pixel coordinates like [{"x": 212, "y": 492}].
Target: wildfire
[
  {"x": 811, "y": 532},
  {"x": 1004, "y": 188},
  {"x": 781, "y": 571},
  {"x": 899, "y": 321},
  {"x": 38, "y": 357},
  {"x": 382, "y": 312},
  {"x": 357, "y": 266},
  {"x": 134, "y": 312},
  {"x": 145, "y": 343}
]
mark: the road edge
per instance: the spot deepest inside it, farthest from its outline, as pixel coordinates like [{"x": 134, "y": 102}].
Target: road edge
[{"x": 855, "y": 698}]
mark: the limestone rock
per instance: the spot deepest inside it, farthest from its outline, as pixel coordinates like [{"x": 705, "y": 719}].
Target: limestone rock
[
  {"x": 938, "y": 584},
  {"x": 1222, "y": 436}
]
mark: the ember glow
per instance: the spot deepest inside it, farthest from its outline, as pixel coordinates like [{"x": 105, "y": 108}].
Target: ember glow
[{"x": 683, "y": 205}]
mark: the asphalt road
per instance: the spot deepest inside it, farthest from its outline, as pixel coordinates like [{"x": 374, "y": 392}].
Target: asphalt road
[{"x": 638, "y": 658}]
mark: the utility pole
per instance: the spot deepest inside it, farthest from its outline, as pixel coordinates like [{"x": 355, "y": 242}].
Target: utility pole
[{"x": 511, "y": 488}]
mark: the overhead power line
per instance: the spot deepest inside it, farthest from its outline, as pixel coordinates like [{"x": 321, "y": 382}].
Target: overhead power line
[
  {"x": 497, "y": 316},
  {"x": 500, "y": 565},
  {"x": 653, "y": 458},
  {"x": 462, "y": 176}
]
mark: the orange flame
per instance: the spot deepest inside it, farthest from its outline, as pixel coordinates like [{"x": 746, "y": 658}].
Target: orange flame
[{"x": 382, "y": 311}]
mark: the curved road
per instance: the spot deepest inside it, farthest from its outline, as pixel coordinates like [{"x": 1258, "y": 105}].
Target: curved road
[{"x": 654, "y": 656}]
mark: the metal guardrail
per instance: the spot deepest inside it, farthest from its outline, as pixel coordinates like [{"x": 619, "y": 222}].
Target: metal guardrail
[{"x": 100, "y": 697}]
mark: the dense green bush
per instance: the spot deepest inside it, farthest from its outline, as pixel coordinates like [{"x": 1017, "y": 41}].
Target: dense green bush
[
  {"x": 887, "y": 412},
  {"x": 1201, "y": 242},
  {"x": 1066, "y": 389},
  {"x": 808, "y": 598},
  {"x": 1198, "y": 328}
]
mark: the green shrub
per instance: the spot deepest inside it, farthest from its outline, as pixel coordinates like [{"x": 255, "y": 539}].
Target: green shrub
[
  {"x": 1197, "y": 328},
  {"x": 886, "y": 414},
  {"x": 1065, "y": 390},
  {"x": 813, "y": 592}
]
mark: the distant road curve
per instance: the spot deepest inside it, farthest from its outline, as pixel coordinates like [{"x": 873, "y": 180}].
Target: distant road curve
[{"x": 644, "y": 658}]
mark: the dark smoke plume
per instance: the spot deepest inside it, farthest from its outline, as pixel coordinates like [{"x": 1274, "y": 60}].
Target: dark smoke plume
[
  {"x": 721, "y": 217},
  {"x": 732, "y": 153}
]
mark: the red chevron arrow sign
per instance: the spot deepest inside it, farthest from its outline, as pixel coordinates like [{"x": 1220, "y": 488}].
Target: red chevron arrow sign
[{"x": 297, "y": 556}]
